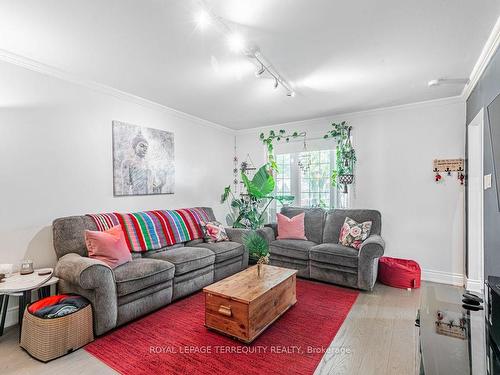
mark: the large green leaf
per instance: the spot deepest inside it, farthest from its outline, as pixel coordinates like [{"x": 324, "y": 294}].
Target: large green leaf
[
  {"x": 225, "y": 195},
  {"x": 261, "y": 184}
]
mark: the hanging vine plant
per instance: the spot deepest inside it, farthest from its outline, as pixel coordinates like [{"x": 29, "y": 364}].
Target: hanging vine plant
[
  {"x": 276, "y": 136},
  {"x": 343, "y": 173}
]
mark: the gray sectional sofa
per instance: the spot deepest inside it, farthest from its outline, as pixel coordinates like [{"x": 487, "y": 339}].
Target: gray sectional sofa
[
  {"x": 321, "y": 257},
  {"x": 150, "y": 281}
]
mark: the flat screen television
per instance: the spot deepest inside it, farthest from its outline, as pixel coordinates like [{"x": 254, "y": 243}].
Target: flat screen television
[{"x": 493, "y": 112}]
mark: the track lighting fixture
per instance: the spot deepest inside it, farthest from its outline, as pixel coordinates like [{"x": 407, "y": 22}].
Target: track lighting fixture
[{"x": 236, "y": 42}]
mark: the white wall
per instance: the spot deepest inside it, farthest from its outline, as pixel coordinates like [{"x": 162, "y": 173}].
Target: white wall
[
  {"x": 421, "y": 220},
  {"x": 56, "y": 159}
]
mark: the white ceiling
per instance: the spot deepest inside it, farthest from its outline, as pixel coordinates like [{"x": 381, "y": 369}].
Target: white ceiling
[{"x": 342, "y": 56}]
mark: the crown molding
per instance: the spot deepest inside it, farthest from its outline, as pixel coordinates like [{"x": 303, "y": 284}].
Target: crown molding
[
  {"x": 36, "y": 66},
  {"x": 489, "y": 49},
  {"x": 358, "y": 114}
]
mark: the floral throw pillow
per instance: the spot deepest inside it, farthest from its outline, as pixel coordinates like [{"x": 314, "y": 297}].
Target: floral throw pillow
[
  {"x": 353, "y": 233},
  {"x": 214, "y": 232}
]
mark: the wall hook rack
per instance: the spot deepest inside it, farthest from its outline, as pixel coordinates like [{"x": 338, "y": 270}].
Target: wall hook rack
[{"x": 448, "y": 166}]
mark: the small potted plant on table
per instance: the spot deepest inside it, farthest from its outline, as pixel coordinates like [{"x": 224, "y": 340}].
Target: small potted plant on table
[{"x": 258, "y": 249}]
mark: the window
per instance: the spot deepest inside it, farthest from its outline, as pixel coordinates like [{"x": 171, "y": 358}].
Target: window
[{"x": 310, "y": 187}]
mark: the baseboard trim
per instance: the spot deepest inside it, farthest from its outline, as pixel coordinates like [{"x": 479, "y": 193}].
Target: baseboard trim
[
  {"x": 443, "y": 277},
  {"x": 475, "y": 285}
]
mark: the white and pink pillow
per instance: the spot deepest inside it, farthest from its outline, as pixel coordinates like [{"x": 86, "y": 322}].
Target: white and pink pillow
[
  {"x": 214, "y": 231},
  {"x": 108, "y": 246},
  {"x": 291, "y": 228},
  {"x": 353, "y": 233}
]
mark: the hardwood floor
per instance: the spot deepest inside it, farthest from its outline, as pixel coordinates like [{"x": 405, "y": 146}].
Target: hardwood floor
[{"x": 377, "y": 337}]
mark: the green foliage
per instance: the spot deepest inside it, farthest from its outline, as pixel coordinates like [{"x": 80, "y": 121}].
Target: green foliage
[
  {"x": 225, "y": 195},
  {"x": 345, "y": 153},
  {"x": 268, "y": 142},
  {"x": 249, "y": 209},
  {"x": 257, "y": 246},
  {"x": 261, "y": 185}
]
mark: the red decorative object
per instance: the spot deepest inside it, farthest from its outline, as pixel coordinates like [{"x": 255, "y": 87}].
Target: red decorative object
[
  {"x": 399, "y": 273},
  {"x": 438, "y": 177},
  {"x": 174, "y": 339}
]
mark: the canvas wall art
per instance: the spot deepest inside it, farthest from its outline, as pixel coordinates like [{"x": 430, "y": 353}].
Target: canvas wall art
[{"x": 143, "y": 160}]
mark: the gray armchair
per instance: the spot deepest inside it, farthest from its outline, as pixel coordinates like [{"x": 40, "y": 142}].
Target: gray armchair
[{"x": 321, "y": 257}]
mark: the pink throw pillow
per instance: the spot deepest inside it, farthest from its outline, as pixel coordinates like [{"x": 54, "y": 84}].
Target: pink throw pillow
[
  {"x": 108, "y": 246},
  {"x": 291, "y": 229}
]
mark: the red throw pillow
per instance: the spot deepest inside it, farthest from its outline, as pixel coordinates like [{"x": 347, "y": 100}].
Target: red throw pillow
[
  {"x": 291, "y": 229},
  {"x": 108, "y": 246}
]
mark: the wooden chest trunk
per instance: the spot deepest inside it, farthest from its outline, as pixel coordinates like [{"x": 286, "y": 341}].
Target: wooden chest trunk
[{"x": 244, "y": 305}]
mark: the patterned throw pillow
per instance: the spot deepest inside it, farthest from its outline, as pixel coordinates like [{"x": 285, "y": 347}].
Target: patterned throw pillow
[
  {"x": 214, "y": 231},
  {"x": 353, "y": 233}
]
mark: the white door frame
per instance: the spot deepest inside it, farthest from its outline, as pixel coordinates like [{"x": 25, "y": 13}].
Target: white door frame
[{"x": 475, "y": 207}]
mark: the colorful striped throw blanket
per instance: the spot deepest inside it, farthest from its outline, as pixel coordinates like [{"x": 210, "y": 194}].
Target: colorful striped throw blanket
[{"x": 152, "y": 230}]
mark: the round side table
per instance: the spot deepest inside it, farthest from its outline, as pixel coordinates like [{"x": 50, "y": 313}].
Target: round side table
[{"x": 21, "y": 286}]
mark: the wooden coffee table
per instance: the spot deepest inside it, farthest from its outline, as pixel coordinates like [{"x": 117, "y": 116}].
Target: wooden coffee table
[{"x": 244, "y": 305}]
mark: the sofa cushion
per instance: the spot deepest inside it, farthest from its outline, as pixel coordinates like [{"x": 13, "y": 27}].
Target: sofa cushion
[
  {"x": 298, "y": 249},
  {"x": 291, "y": 228},
  {"x": 141, "y": 273},
  {"x": 224, "y": 250},
  {"x": 335, "y": 254},
  {"x": 335, "y": 219},
  {"x": 108, "y": 246},
  {"x": 313, "y": 221},
  {"x": 186, "y": 258}
]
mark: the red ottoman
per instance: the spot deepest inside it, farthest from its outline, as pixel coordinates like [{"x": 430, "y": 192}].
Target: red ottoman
[{"x": 399, "y": 273}]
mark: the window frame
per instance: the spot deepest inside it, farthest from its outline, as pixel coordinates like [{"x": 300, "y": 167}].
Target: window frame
[{"x": 296, "y": 179}]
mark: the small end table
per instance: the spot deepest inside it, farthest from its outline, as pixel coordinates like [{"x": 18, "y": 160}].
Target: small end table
[{"x": 21, "y": 286}]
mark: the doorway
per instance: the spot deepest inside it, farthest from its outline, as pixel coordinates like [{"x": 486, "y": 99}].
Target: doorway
[{"x": 475, "y": 190}]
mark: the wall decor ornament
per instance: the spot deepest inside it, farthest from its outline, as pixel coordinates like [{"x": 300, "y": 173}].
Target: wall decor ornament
[
  {"x": 143, "y": 160},
  {"x": 343, "y": 173}
]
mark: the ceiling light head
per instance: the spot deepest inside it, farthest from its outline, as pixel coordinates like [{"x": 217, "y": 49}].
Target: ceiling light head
[
  {"x": 433, "y": 83},
  {"x": 261, "y": 71},
  {"x": 290, "y": 93},
  {"x": 236, "y": 42},
  {"x": 203, "y": 19}
]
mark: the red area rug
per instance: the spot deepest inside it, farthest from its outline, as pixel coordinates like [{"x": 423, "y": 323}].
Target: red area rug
[{"x": 174, "y": 340}]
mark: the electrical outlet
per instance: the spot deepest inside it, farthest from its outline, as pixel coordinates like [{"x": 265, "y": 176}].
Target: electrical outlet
[{"x": 487, "y": 181}]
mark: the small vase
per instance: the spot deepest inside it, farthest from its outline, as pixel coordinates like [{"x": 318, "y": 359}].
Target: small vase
[{"x": 259, "y": 269}]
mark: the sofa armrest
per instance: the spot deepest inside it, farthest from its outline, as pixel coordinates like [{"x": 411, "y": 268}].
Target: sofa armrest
[
  {"x": 236, "y": 234},
  {"x": 94, "y": 280},
  {"x": 87, "y": 273},
  {"x": 372, "y": 247},
  {"x": 273, "y": 227},
  {"x": 267, "y": 233}
]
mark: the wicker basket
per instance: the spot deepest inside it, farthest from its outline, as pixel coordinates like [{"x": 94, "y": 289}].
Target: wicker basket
[{"x": 47, "y": 339}]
